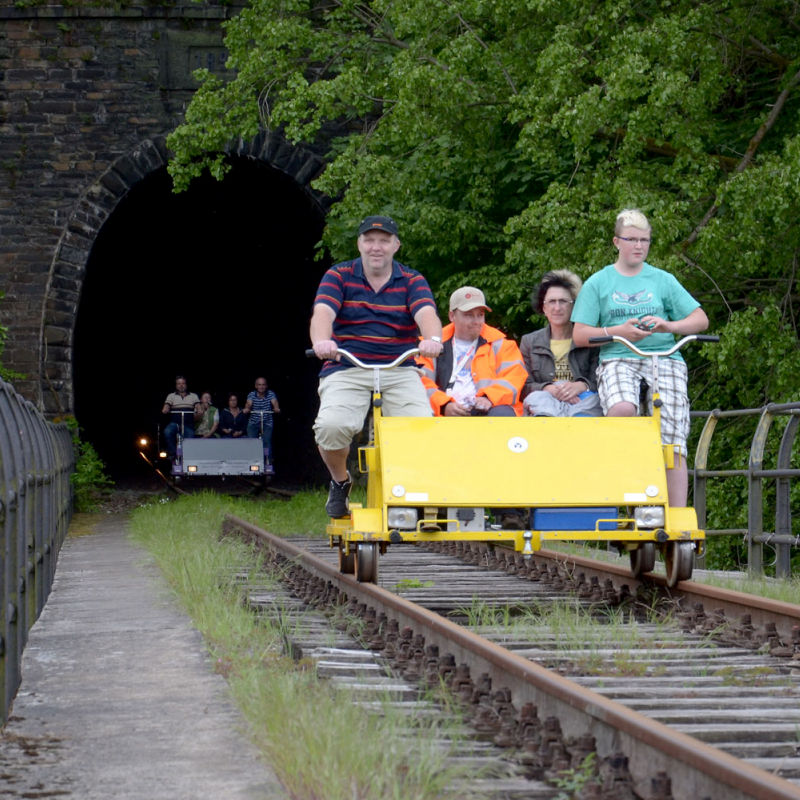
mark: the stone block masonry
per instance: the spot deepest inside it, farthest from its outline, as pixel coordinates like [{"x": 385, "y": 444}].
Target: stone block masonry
[{"x": 87, "y": 98}]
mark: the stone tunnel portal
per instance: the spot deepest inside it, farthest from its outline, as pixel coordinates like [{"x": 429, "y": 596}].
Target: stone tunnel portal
[{"x": 215, "y": 284}]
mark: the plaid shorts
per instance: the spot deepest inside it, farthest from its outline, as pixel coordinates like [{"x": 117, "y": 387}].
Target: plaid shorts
[{"x": 619, "y": 380}]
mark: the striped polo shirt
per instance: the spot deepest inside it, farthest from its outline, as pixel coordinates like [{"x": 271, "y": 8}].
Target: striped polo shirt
[{"x": 374, "y": 326}]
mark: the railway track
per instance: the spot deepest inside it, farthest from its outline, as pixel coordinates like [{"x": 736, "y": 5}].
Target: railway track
[{"x": 709, "y": 709}]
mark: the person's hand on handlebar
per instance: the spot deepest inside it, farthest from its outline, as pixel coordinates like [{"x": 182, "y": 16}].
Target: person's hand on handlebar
[
  {"x": 430, "y": 348},
  {"x": 325, "y": 348}
]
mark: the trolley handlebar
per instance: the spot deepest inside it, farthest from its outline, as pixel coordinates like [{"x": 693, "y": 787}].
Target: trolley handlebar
[
  {"x": 357, "y": 362},
  {"x": 693, "y": 337}
]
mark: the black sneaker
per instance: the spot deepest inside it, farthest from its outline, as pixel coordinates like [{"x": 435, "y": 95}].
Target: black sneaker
[{"x": 338, "y": 504}]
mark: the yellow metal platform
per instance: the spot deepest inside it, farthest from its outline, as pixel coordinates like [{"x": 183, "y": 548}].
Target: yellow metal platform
[{"x": 437, "y": 465}]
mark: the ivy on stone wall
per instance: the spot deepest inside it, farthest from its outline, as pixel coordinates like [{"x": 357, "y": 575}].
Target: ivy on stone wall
[{"x": 6, "y": 374}]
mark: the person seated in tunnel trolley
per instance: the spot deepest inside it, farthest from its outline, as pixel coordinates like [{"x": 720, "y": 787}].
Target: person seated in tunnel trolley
[
  {"x": 562, "y": 378},
  {"x": 181, "y": 406},
  {"x": 376, "y": 308},
  {"x": 480, "y": 371},
  {"x": 232, "y": 420},
  {"x": 206, "y": 417},
  {"x": 260, "y": 406}
]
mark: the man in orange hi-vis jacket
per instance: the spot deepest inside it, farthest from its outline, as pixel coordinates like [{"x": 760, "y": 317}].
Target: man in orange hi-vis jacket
[{"x": 480, "y": 371}]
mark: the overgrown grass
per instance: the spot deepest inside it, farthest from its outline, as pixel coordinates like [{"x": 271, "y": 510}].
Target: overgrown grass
[
  {"x": 318, "y": 740},
  {"x": 605, "y": 645},
  {"x": 787, "y": 591},
  {"x": 302, "y": 514},
  {"x": 777, "y": 589}
]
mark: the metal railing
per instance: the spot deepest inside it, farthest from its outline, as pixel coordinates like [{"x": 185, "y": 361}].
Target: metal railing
[
  {"x": 781, "y": 538},
  {"x": 36, "y": 462}
]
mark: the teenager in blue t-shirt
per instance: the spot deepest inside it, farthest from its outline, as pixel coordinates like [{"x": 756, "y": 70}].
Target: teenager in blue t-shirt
[{"x": 647, "y": 306}]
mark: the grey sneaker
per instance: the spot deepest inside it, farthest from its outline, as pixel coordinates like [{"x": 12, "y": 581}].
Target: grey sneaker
[{"x": 338, "y": 504}]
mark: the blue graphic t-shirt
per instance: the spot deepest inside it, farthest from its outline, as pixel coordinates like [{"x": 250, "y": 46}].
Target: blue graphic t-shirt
[{"x": 608, "y": 298}]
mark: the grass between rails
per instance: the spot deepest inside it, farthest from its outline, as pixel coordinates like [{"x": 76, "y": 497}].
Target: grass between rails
[
  {"x": 787, "y": 591},
  {"x": 607, "y": 642},
  {"x": 318, "y": 741}
]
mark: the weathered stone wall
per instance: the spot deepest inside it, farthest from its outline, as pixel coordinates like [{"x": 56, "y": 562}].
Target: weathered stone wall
[{"x": 87, "y": 98}]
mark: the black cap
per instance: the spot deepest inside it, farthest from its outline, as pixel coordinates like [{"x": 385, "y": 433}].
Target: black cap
[{"x": 386, "y": 224}]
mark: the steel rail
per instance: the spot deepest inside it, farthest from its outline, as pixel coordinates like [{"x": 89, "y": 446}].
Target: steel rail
[
  {"x": 695, "y": 768},
  {"x": 762, "y": 610}
]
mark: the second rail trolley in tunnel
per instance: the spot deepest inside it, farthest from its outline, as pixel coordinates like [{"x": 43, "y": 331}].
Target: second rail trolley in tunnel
[
  {"x": 599, "y": 479},
  {"x": 198, "y": 457}
]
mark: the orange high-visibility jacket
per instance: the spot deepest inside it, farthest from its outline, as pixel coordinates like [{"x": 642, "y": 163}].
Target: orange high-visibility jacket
[{"x": 498, "y": 370}]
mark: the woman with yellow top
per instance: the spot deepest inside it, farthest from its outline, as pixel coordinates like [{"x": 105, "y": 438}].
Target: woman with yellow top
[{"x": 561, "y": 377}]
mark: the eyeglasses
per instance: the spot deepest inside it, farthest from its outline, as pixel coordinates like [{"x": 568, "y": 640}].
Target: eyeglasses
[
  {"x": 558, "y": 302},
  {"x": 634, "y": 240}
]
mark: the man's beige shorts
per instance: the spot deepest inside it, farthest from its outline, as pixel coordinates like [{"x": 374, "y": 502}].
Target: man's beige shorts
[{"x": 345, "y": 398}]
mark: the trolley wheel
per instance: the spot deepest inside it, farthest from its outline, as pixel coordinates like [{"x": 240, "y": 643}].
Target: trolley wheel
[
  {"x": 347, "y": 563},
  {"x": 366, "y": 562},
  {"x": 679, "y": 560},
  {"x": 643, "y": 558}
]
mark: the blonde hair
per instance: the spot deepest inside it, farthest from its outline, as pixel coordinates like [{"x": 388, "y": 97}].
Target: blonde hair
[{"x": 632, "y": 217}]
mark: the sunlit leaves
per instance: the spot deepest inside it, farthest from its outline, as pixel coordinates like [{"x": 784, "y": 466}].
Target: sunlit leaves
[{"x": 505, "y": 134}]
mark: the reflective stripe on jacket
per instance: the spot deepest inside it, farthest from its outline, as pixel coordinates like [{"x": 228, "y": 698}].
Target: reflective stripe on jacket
[{"x": 498, "y": 371}]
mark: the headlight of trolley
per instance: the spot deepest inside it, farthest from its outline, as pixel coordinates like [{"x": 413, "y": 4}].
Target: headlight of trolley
[
  {"x": 403, "y": 519},
  {"x": 649, "y": 516}
]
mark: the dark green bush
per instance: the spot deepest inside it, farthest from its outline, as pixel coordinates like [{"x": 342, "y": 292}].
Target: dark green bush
[{"x": 89, "y": 481}]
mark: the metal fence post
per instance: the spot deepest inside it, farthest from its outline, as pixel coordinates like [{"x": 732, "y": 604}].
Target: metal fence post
[{"x": 783, "y": 511}]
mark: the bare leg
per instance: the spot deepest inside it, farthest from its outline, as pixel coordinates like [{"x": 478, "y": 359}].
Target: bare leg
[
  {"x": 336, "y": 462},
  {"x": 677, "y": 477},
  {"x": 622, "y": 410},
  {"x": 678, "y": 483}
]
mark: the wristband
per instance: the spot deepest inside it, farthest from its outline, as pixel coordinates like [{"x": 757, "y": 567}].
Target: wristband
[
  {"x": 606, "y": 331},
  {"x": 436, "y": 339}
]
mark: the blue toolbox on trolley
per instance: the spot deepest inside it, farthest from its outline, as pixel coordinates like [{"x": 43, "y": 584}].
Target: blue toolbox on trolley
[{"x": 574, "y": 519}]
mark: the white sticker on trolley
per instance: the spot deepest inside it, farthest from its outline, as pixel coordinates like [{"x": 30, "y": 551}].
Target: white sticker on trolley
[
  {"x": 516, "y": 444},
  {"x": 651, "y": 490},
  {"x": 417, "y": 497},
  {"x": 398, "y": 490},
  {"x": 634, "y": 497}
]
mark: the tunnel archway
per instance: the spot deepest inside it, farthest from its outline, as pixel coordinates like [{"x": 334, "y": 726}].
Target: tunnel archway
[{"x": 215, "y": 284}]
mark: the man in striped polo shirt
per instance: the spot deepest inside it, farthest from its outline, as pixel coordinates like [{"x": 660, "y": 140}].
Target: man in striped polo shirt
[
  {"x": 261, "y": 405},
  {"x": 376, "y": 308}
]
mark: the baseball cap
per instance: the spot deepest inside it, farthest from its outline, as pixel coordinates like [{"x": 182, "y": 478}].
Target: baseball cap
[
  {"x": 386, "y": 224},
  {"x": 466, "y": 298}
]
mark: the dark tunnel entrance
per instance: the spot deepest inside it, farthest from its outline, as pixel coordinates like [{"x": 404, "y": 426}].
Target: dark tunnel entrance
[{"x": 215, "y": 284}]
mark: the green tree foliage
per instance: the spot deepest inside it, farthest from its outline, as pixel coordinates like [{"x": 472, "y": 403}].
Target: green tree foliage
[{"x": 504, "y": 135}]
